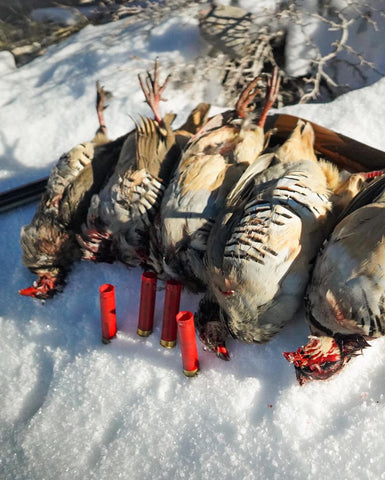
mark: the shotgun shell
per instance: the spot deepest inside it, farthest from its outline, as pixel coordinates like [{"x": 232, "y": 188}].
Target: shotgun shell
[
  {"x": 147, "y": 304},
  {"x": 188, "y": 344},
  {"x": 170, "y": 310},
  {"x": 107, "y": 311}
]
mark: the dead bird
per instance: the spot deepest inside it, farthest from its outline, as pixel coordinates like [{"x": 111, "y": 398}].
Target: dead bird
[
  {"x": 345, "y": 300},
  {"x": 212, "y": 162},
  {"x": 49, "y": 242},
  {"x": 261, "y": 248},
  {"x": 121, "y": 216}
]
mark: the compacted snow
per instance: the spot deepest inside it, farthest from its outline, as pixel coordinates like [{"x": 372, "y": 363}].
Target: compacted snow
[{"x": 74, "y": 408}]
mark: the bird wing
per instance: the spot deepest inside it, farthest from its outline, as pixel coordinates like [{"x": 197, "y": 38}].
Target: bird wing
[
  {"x": 155, "y": 144},
  {"x": 244, "y": 186},
  {"x": 76, "y": 197},
  {"x": 368, "y": 195},
  {"x": 270, "y": 240},
  {"x": 347, "y": 291}
]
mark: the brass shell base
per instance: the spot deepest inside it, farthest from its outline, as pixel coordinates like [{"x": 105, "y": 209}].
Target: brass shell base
[
  {"x": 168, "y": 343},
  {"x": 190, "y": 373},
  {"x": 143, "y": 333}
]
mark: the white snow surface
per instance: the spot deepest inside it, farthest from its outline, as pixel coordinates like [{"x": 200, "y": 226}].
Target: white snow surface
[
  {"x": 74, "y": 408},
  {"x": 63, "y": 16}
]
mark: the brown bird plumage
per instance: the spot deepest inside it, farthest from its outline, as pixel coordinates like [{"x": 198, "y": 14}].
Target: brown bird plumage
[
  {"x": 345, "y": 300},
  {"x": 48, "y": 243},
  {"x": 212, "y": 162},
  {"x": 120, "y": 218},
  {"x": 261, "y": 247}
]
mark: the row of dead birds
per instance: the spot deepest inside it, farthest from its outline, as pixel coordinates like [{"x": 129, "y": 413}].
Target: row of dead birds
[{"x": 210, "y": 205}]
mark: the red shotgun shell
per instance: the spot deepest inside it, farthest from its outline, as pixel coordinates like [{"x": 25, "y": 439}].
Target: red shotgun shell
[
  {"x": 147, "y": 304},
  {"x": 188, "y": 344},
  {"x": 170, "y": 310},
  {"x": 107, "y": 312}
]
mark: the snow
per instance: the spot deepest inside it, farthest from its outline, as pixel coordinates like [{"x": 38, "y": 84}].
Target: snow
[
  {"x": 355, "y": 114},
  {"x": 65, "y": 16},
  {"x": 7, "y": 62},
  {"x": 311, "y": 33},
  {"x": 74, "y": 408}
]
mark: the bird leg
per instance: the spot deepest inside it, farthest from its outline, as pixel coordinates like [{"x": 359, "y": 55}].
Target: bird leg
[
  {"x": 250, "y": 92},
  {"x": 101, "y": 96},
  {"x": 271, "y": 96},
  {"x": 153, "y": 90},
  {"x": 246, "y": 97}
]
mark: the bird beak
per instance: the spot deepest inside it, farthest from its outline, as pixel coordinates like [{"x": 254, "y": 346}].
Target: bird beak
[
  {"x": 29, "y": 292},
  {"x": 218, "y": 348},
  {"x": 222, "y": 352}
]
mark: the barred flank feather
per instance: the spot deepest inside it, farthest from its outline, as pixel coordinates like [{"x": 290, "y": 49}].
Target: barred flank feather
[
  {"x": 272, "y": 231},
  {"x": 121, "y": 215}
]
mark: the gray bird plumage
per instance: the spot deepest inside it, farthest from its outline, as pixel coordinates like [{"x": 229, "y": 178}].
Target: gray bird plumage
[
  {"x": 212, "y": 162},
  {"x": 346, "y": 296},
  {"x": 49, "y": 242},
  {"x": 262, "y": 245},
  {"x": 121, "y": 214}
]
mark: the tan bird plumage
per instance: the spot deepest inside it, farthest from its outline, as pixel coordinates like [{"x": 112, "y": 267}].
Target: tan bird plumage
[
  {"x": 346, "y": 296},
  {"x": 260, "y": 250},
  {"x": 49, "y": 243},
  {"x": 212, "y": 162},
  {"x": 121, "y": 217}
]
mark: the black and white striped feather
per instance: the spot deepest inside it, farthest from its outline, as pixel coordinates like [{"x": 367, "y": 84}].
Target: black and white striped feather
[
  {"x": 121, "y": 215},
  {"x": 260, "y": 252}
]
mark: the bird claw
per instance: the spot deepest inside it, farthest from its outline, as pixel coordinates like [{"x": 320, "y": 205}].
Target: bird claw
[
  {"x": 251, "y": 91},
  {"x": 101, "y": 96},
  {"x": 272, "y": 91},
  {"x": 153, "y": 90},
  {"x": 246, "y": 97}
]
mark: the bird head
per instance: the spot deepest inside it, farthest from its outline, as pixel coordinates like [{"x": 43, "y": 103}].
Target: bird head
[
  {"x": 46, "y": 286},
  {"x": 324, "y": 356},
  {"x": 213, "y": 342},
  {"x": 212, "y": 331}
]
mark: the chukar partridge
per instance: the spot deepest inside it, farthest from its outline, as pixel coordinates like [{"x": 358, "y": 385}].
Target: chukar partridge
[
  {"x": 121, "y": 215},
  {"x": 48, "y": 243},
  {"x": 262, "y": 245},
  {"x": 345, "y": 300},
  {"x": 212, "y": 162}
]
